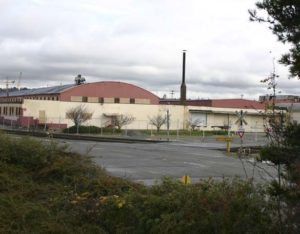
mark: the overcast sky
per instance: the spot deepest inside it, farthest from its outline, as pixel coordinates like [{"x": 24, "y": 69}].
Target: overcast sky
[{"x": 141, "y": 42}]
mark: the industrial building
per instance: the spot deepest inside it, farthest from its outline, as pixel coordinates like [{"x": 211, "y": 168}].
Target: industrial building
[{"x": 48, "y": 107}]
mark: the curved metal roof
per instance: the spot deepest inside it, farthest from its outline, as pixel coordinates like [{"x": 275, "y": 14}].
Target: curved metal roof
[{"x": 38, "y": 91}]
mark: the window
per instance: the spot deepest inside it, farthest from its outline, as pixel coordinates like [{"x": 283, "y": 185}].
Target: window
[
  {"x": 84, "y": 99},
  {"x": 11, "y": 110},
  {"x": 132, "y": 100},
  {"x": 117, "y": 100},
  {"x": 101, "y": 100}
]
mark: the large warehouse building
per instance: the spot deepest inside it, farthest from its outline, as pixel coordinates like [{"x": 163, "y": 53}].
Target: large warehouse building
[
  {"x": 48, "y": 107},
  {"x": 108, "y": 99}
]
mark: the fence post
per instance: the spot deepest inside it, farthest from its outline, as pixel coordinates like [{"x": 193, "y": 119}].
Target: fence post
[
  {"x": 101, "y": 133},
  {"x": 177, "y": 129}
]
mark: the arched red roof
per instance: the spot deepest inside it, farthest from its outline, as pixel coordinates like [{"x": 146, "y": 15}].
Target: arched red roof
[{"x": 108, "y": 89}]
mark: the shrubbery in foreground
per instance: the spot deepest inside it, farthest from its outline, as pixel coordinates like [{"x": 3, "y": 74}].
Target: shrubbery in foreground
[{"x": 45, "y": 189}]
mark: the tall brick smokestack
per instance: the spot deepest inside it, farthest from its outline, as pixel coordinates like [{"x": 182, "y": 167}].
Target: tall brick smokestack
[{"x": 183, "y": 86}]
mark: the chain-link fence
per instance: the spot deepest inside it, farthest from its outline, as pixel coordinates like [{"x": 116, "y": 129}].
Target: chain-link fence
[{"x": 133, "y": 128}]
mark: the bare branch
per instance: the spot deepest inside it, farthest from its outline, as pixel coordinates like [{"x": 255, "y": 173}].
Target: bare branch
[
  {"x": 79, "y": 115},
  {"x": 194, "y": 123},
  {"x": 120, "y": 121},
  {"x": 158, "y": 121}
]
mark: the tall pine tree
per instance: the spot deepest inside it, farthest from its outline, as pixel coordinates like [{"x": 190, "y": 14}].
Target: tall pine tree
[{"x": 284, "y": 20}]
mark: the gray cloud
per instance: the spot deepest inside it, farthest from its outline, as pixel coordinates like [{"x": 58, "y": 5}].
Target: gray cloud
[{"x": 140, "y": 41}]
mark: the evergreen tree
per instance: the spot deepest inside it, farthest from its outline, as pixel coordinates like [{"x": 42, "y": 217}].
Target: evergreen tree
[{"x": 284, "y": 20}]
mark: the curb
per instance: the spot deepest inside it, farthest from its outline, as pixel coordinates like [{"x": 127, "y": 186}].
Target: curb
[{"x": 80, "y": 137}]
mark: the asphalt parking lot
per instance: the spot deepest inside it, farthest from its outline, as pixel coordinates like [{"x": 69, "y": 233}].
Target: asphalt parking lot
[{"x": 148, "y": 163}]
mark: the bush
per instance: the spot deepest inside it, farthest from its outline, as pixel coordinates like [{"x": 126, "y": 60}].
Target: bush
[
  {"x": 44, "y": 189},
  {"x": 38, "y": 181},
  {"x": 90, "y": 130},
  {"x": 208, "y": 207}
]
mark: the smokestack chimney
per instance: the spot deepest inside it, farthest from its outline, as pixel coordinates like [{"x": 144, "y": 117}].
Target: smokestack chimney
[{"x": 183, "y": 86}]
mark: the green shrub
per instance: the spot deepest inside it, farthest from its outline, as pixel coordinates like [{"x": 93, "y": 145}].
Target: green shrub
[
  {"x": 38, "y": 181},
  {"x": 91, "y": 130},
  {"x": 44, "y": 189},
  {"x": 208, "y": 207}
]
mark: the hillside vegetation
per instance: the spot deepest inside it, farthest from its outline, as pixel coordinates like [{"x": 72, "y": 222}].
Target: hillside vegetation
[{"x": 45, "y": 189}]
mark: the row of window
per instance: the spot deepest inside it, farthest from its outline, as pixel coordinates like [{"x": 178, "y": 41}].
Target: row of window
[
  {"x": 12, "y": 100},
  {"x": 10, "y": 110},
  {"x": 52, "y": 98},
  {"x": 116, "y": 100},
  {"x": 20, "y": 99}
]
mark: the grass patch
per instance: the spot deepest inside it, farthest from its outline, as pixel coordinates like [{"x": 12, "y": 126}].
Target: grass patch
[
  {"x": 45, "y": 189},
  {"x": 147, "y": 133}
]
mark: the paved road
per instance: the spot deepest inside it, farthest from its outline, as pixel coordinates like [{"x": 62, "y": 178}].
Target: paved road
[{"x": 151, "y": 162}]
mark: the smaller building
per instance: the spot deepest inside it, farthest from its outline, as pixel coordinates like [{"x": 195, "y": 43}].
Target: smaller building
[
  {"x": 218, "y": 103},
  {"x": 280, "y": 99}
]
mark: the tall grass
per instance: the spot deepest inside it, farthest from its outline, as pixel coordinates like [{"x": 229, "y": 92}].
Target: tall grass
[{"x": 45, "y": 189}]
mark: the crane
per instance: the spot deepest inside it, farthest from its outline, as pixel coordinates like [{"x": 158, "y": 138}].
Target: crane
[
  {"x": 7, "y": 83},
  {"x": 19, "y": 81}
]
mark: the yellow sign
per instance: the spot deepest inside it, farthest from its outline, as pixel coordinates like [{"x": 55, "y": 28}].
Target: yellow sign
[
  {"x": 224, "y": 139},
  {"x": 186, "y": 179},
  {"x": 228, "y": 141}
]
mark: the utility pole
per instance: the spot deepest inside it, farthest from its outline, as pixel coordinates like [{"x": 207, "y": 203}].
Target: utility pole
[
  {"x": 168, "y": 123},
  {"x": 172, "y": 93},
  {"x": 19, "y": 81},
  {"x": 7, "y": 83}
]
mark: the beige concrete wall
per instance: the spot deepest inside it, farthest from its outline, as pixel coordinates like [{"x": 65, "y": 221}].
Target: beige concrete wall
[
  {"x": 142, "y": 101},
  {"x": 55, "y": 112},
  {"x": 109, "y": 100},
  {"x": 93, "y": 99},
  {"x": 124, "y": 100},
  {"x": 76, "y": 99}
]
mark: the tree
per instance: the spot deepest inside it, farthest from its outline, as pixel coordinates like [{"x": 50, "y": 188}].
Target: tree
[
  {"x": 158, "y": 121},
  {"x": 194, "y": 123},
  {"x": 120, "y": 121},
  {"x": 79, "y": 115},
  {"x": 284, "y": 20},
  {"x": 283, "y": 150}
]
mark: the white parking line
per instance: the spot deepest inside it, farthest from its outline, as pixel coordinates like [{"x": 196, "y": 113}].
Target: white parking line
[{"x": 195, "y": 164}]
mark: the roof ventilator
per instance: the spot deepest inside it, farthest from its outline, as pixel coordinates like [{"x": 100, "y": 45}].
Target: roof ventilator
[{"x": 79, "y": 80}]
